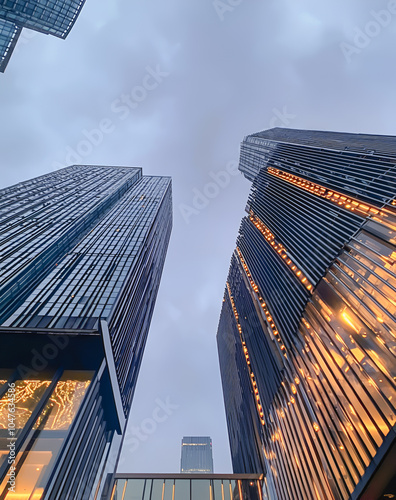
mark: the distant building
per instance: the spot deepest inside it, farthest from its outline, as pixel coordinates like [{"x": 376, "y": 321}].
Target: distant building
[
  {"x": 82, "y": 251},
  {"x": 196, "y": 455},
  {"x": 307, "y": 329},
  {"x": 52, "y": 18},
  {"x": 182, "y": 487}
]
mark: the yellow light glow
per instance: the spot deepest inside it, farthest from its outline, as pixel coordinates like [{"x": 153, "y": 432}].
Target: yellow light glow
[
  {"x": 245, "y": 350},
  {"x": 348, "y": 320}
]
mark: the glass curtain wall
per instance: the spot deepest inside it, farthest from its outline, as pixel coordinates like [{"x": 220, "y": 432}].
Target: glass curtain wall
[{"x": 36, "y": 416}]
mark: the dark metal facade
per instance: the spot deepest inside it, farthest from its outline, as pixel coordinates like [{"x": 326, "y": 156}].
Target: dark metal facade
[
  {"x": 82, "y": 252},
  {"x": 309, "y": 302}
]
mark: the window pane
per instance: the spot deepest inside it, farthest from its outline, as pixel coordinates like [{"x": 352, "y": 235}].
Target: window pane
[
  {"x": 119, "y": 489},
  {"x": 134, "y": 489},
  {"x": 156, "y": 493},
  {"x": 147, "y": 489},
  {"x": 200, "y": 489},
  {"x": 182, "y": 489},
  {"x": 168, "y": 489}
]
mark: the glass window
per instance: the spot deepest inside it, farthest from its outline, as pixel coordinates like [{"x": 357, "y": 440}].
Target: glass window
[
  {"x": 168, "y": 493},
  {"x": 156, "y": 492},
  {"x": 200, "y": 489},
  {"x": 182, "y": 489},
  {"x": 38, "y": 454},
  {"x": 147, "y": 489},
  {"x": 16, "y": 406},
  {"x": 228, "y": 494},
  {"x": 134, "y": 489},
  {"x": 117, "y": 493},
  {"x": 217, "y": 489}
]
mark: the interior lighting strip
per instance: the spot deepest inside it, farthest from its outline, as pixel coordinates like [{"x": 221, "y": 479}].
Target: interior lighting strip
[
  {"x": 351, "y": 204},
  {"x": 268, "y": 316},
  {"x": 281, "y": 251},
  {"x": 246, "y": 353}
]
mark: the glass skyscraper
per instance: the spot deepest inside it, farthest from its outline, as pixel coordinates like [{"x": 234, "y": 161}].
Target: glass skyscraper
[
  {"x": 82, "y": 252},
  {"x": 54, "y": 17},
  {"x": 307, "y": 331},
  {"x": 196, "y": 455}
]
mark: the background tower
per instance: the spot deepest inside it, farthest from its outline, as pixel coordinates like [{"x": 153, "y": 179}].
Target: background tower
[{"x": 196, "y": 455}]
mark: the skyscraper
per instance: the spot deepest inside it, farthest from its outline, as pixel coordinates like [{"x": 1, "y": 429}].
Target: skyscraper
[
  {"x": 82, "y": 252},
  {"x": 196, "y": 455},
  {"x": 55, "y": 18},
  {"x": 307, "y": 330}
]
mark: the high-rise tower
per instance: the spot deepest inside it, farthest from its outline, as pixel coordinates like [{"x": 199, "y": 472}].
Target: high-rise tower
[
  {"x": 52, "y": 18},
  {"x": 307, "y": 329},
  {"x": 82, "y": 252},
  {"x": 196, "y": 455}
]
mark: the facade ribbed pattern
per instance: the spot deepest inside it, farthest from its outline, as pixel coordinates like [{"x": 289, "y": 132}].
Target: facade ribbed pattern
[
  {"x": 75, "y": 473},
  {"x": 366, "y": 144},
  {"x": 320, "y": 214},
  {"x": 238, "y": 396},
  {"x": 130, "y": 317},
  {"x": 44, "y": 218}
]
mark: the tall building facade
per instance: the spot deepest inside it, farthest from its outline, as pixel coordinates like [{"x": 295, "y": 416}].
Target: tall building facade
[
  {"x": 82, "y": 252},
  {"x": 56, "y": 17},
  {"x": 196, "y": 455},
  {"x": 307, "y": 330}
]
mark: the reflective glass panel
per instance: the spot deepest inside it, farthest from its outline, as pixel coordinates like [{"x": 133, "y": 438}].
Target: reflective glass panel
[
  {"x": 182, "y": 489},
  {"x": 200, "y": 489},
  {"x": 16, "y": 407},
  {"x": 147, "y": 489},
  {"x": 168, "y": 494},
  {"x": 117, "y": 493},
  {"x": 217, "y": 489},
  {"x": 134, "y": 489},
  {"x": 156, "y": 492},
  {"x": 35, "y": 461}
]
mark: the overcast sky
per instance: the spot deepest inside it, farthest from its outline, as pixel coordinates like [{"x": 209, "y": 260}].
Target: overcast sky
[{"x": 174, "y": 86}]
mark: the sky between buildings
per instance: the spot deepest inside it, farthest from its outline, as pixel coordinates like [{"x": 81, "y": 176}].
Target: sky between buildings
[{"x": 174, "y": 87}]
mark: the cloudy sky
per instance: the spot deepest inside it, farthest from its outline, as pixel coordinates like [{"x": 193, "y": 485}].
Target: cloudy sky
[{"x": 174, "y": 87}]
